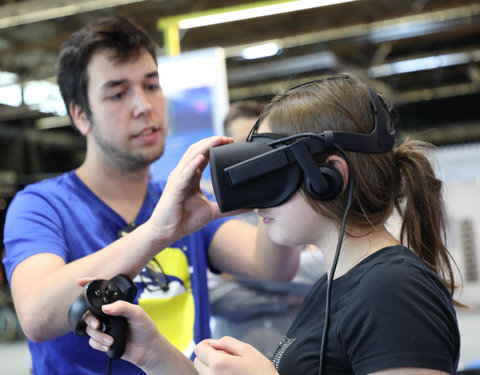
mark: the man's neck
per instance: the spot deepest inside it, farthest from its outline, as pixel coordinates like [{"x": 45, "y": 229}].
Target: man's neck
[{"x": 124, "y": 191}]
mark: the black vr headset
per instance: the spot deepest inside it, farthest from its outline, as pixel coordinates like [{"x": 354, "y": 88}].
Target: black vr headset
[{"x": 267, "y": 169}]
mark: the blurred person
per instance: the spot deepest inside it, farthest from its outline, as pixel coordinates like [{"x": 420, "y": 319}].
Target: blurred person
[{"x": 240, "y": 117}]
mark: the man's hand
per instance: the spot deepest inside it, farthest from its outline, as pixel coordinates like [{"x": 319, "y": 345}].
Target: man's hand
[{"x": 183, "y": 208}]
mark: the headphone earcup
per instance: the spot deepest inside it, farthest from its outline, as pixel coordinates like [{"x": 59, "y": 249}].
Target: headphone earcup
[{"x": 334, "y": 180}]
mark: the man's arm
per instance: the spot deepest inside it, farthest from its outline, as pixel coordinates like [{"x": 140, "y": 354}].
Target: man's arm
[
  {"x": 44, "y": 286},
  {"x": 244, "y": 250}
]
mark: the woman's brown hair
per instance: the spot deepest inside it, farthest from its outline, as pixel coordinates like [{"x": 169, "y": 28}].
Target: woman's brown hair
[{"x": 401, "y": 179}]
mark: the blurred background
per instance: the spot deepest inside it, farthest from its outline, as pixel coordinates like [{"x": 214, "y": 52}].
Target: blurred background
[{"x": 423, "y": 54}]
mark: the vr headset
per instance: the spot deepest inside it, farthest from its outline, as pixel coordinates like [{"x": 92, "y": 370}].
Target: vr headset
[{"x": 266, "y": 170}]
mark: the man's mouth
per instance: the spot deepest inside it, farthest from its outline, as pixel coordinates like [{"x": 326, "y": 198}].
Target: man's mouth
[{"x": 146, "y": 132}]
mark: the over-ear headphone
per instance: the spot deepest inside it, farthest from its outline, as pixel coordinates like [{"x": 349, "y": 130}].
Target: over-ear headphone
[
  {"x": 321, "y": 181},
  {"x": 334, "y": 183},
  {"x": 267, "y": 169}
]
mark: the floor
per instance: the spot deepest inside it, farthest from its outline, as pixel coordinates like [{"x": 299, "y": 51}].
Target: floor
[
  {"x": 15, "y": 358},
  {"x": 469, "y": 324}
]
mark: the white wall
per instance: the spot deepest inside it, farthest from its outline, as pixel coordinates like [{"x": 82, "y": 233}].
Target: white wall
[{"x": 459, "y": 168}]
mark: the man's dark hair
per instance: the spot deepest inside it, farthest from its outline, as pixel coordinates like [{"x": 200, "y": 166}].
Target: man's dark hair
[
  {"x": 125, "y": 39},
  {"x": 242, "y": 108}
]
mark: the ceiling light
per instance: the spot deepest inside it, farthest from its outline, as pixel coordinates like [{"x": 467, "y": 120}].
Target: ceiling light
[
  {"x": 8, "y": 78},
  {"x": 260, "y": 51},
  {"x": 11, "y": 95},
  {"x": 266, "y": 8}
]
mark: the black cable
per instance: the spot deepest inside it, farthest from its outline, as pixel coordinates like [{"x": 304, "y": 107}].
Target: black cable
[
  {"x": 109, "y": 369},
  {"x": 335, "y": 260}
]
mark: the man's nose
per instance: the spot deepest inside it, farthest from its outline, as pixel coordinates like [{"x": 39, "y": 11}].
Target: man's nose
[{"x": 141, "y": 102}]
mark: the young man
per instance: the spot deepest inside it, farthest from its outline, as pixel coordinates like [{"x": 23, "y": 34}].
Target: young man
[{"x": 78, "y": 225}]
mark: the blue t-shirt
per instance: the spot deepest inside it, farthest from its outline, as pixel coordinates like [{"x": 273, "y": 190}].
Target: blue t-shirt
[{"x": 64, "y": 217}]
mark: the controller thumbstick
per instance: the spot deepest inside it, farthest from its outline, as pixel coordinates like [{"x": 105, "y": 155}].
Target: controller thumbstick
[{"x": 110, "y": 292}]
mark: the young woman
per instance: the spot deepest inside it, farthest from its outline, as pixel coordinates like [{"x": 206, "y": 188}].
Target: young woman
[{"x": 389, "y": 297}]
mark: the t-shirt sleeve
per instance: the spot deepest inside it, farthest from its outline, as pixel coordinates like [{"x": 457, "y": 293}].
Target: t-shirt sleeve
[
  {"x": 209, "y": 231},
  {"x": 32, "y": 226},
  {"x": 399, "y": 317}
]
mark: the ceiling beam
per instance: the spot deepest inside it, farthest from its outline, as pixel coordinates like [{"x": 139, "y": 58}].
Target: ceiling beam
[
  {"x": 282, "y": 68},
  {"x": 30, "y": 11},
  {"x": 379, "y": 31}
]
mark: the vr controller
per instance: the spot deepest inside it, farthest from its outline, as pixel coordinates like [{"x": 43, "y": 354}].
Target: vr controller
[{"x": 96, "y": 294}]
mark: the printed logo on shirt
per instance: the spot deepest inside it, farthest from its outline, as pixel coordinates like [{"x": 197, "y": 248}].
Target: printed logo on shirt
[
  {"x": 171, "y": 307},
  {"x": 284, "y": 344}
]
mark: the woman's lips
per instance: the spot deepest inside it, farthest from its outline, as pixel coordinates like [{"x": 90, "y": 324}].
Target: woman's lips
[{"x": 266, "y": 220}]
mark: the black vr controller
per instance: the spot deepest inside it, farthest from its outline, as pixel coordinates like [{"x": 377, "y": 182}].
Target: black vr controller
[{"x": 96, "y": 294}]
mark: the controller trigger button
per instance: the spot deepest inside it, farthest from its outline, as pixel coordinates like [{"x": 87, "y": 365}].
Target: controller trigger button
[{"x": 104, "y": 327}]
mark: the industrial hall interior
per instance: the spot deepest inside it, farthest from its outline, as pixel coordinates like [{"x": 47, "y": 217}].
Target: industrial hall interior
[{"x": 423, "y": 55}]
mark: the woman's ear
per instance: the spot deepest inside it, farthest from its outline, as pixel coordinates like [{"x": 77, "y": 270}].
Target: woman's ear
[
  {"x": 80, "y": 119},
  {"x": 341, "y": 165}
]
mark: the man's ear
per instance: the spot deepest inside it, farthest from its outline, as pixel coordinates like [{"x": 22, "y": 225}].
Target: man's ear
[
  {"x": 80, "y": 119},
  {"x": 342, "y": 166}
]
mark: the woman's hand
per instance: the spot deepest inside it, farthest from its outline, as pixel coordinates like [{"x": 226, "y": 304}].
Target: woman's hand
[
  {"x": 228, "y": 356},
  {"x": 142, "y": 330},
  {"x": 142, "y": 335},
  {"x": 146, "y": 346},
  {"x": 183, "y": 208}
]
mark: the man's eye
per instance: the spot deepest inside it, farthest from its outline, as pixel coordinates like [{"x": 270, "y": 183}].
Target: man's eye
[
  {"x": 117, "y": 96},
  {"x": 153, "y": 87}
]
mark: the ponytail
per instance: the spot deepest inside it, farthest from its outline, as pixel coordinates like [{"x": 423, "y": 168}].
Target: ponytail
[
  {"x": 401, "y": 179},
  {"x": 418, "y": 199}
]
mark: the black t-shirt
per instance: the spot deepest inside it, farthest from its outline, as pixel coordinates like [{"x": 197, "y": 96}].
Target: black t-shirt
[{"x": 391, "y": 310}]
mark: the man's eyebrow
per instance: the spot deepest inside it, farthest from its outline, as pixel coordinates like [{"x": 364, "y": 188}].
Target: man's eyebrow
[
  {"x": 118, "y": 82},
  {"x": 153, "y": 74},
  {"x": 113, "y": 83}
]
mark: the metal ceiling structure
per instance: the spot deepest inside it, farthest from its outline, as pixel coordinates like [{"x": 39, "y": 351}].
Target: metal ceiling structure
[{"x": 424, "y": 54}]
